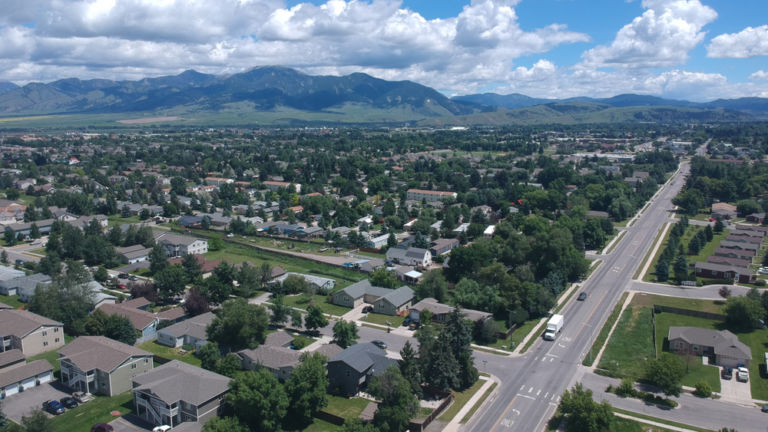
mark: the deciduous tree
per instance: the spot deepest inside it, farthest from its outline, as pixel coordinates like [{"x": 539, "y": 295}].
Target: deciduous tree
[
  {"x": 258, "y": 400},
  {"x": 345, "y": 333},
  {"x": 239, "y": 325},
  {"x": 306, "y": 388}
]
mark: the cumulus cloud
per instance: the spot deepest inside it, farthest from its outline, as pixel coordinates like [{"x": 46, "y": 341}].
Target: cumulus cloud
[
  {"x": 661, "y": 37},
  {"x": 750, "y": 42},
  {"x": 760, "y": 75}
]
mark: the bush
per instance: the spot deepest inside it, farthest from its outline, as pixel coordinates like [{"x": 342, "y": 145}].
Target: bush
[
  {"x": 703, "y": 389},
  {"x": 627, "y": 388},
  {"x": 760, "y": 282}
]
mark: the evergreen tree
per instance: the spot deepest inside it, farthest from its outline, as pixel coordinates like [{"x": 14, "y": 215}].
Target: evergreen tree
[
  {"x": 708, "y": 233},
  {"x": 409, "y": 368},
  {"x": 719, "y": 226},
  {"x": 157, "y": 259},
  {"x": 681, "y": 268},
  {"x": 694, "y": 246},
  {"x": 459, "y": 333},
  {"x": 662, "y": 271}
]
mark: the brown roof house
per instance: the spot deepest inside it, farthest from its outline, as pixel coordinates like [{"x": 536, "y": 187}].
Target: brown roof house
[
  {"x": 724, "y": 210},
  {"x": 16, "y": 375},
  {"x": 723, "y": 345},
  {"x": 96, "y": 364},
  {"x": 724, "y": 271},
  {"x": 144, "y": 322},
  {"x": 177, "y": 392},
  {"x": 29, "y": 332},
  {"x": 441, "y": 311}
]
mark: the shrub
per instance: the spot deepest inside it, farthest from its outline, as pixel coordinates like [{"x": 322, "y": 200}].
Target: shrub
[
  {"x": 703, "y": 389},
  {"x": 627, "y": 388}
]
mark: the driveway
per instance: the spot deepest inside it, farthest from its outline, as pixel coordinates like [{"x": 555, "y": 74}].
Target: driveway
[
  {"x": 734, "y": 391},
  {"x": 21, "y": 404},
  {"x": 130, "y": 423}
]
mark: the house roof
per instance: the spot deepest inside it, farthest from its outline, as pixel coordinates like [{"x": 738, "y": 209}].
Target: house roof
[
  {"x": 8, "y": 273},
  {"x": 137, "y": 303},
  {"x": 195, "y": 327},
  {"x": 18, "y": 373},
  {"x": 723, "y": 342},
  {"x": 172, "y": 314},
  {"x": 736, "y": 252},
  {"x": 359, "y": 289},
  {"x": 438, "y": 308},
  {"x": 99, "y": 352},
  {"x": 140, "y": 319},
  {"x": 399, "y": 296},
  {"x": 723, "y": 268},
  {"x": 411, "y": 252},
  {"x": 272, "y": 357},
  {"x": 27, "y": 284},
  {"x": 329, "y": 350},
  {"x": 174, "y": 239},
  {"x": 178, "y": 381},
  {"x": 279, "y": 339},
  {"x": 10, "y": 357},
  {"x": 721, "y": 206},
  {"x": 362, "y": 357},
  {"x": 20, "y": 322}
]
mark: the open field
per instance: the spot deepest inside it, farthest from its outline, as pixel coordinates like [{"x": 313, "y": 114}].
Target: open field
[{"x": 149, "y": 120}]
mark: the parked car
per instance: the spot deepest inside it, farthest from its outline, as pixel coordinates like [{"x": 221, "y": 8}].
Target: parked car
[
  {"x": 53, "y": 407},
  {"x": 380, "y": 344},
  {"x": 102, "y": 427},
  {"x": 82, "y": 397},
  {"x": 367, "y": 309},
  {"x": 68, "y": 402},
  {"x": 133, "y": 278},
  {"x": 163, "y": 428},
  {"x": 582, "y": 296},
  {"x": 727, "y": 373},
  {"x": 122, "y": 286},
  {"x": 764, "y": 408},
  {"x": 123, "y": 276},
  {"x": 742, "y": 374}
]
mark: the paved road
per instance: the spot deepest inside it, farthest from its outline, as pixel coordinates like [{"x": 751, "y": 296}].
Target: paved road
[
  {"x": 709, "y": 292},
  {"x": 532, "y": 384}
]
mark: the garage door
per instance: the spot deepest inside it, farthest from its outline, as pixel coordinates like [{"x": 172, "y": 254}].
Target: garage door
[
  {"x": 28, "y": 383},
  {"x": 11, "y": 390},
  {"x": 46, "y": 377}
]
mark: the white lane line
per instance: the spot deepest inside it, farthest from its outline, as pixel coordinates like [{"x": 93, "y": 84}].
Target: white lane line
[
  {"x": 530, "y": 390},
  {"x": 526, "y": 396}
]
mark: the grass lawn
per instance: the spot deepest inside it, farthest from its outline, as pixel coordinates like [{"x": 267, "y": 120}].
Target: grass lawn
[
  {"x": 12, "y": 301},
  {"x": 52, "y": 357},
  {"x": 631, "y": 341},
  {"x": 479, "y": 403},
  {"x": 521, "y": 332},
  {"x": 757, "y": 340},
  {"x": 345, "y": 408},
  {"x": 322, "y": 426},
  {"x": 709, "y": 248},
  {"x": 170, "y": 353},
  {"x": 650, "y": 275},
  {"x": 93, "y": 412},
  {"x": 459, "y": 400},
  {"x": 302, "y": 301},
  {"x": 601, "y": 338},
  {"x": 302, "y": 341},
  {"x": 717, "y": 307},
  {"x": 117, "y": 220},
  {"x": 394, "y": 321},
  {"x": 41, "y": 251}
]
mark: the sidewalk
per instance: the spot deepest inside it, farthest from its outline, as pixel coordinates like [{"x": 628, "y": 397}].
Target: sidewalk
[
  {"x": 653, "y": 423},
  {"x": 455, "y": 423}
]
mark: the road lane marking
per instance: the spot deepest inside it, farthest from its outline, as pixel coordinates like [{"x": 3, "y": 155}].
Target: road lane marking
[
  {"x": 516, "y": 412},
  {"x": 538, "y": 393},
  {"x": 546, "y": 395},
  {"x": 530, "y": 390},
  {"x": 526, "y": 396},
  {"x": 504, "y": 413}
]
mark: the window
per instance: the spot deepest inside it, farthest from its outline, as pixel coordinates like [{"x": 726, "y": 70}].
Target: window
[
  {"x": 45, "y": 343},
  {"x": 45, "y": 333},
  {"x": 133, "y": 366},
  {"x": 55, "y": 329},
  {"x": 56, "y": 340},
  {"x": 146, "y": 360}
]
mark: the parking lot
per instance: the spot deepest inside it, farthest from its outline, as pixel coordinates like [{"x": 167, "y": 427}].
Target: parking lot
[{"x": 20, "y": 404}]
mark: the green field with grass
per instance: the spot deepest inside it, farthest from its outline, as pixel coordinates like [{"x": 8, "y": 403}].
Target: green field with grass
[
  {"x": 12, "y": 301},
  {"x": 93, "y": 412},
  {"x": 603, "y": 335},
  {"x": 375, "y": 318},
  {"x": 632, "y": 340},
  {"x": 345, "y": 408},
  {"x": 459, "y": 400},
  {"x": 170, "y": 353},
  {"x": 302, "y": 301}
]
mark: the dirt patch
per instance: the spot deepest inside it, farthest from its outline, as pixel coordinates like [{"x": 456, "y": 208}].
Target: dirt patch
[{"x": 149, "y": 120}]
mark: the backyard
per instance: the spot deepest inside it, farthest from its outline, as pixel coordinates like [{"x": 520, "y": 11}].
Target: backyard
[
  {"x": 302, "y": 301},
  {"x": 96, "y": 411},
  {"x": 169, "y": 353}
]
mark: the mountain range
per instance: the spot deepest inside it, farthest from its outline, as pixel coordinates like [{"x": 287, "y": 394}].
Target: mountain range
[{"x": 354, "y": 98}]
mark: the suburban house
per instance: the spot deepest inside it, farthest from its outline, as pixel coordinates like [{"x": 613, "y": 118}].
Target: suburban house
[
  {"x": 16, "y": 375},
  {"x": 7, "y": 274},
  {"x": 24, "y": 286},
  {"x": 754, "y": 228},
  {"x": 188, "y": 332},
  {"x": 429, "y": 195},
  {"x": 133, "y": 254},
  {"x": 31, "y": 333},
  {"x": 273, "y": 355},
  {"x": 206, "y": 267},
  {"x": 739, "y": 245},
  {"x": 744, "y": 239},
  {"x": 722, "y": 344},
  {"x": 177, "y": 392},
  {"x": 443, "y": 246},
  {"x": 318, "y": 283},
  {"x": 731, "y": 261},
  {"x": 735, "y": 253},
  {"x": 277, "y": 185},
  {"x": 350, "y": 370},
  {"x": 441, "y": 311},
  {"x": 176, "y": 245},
  {"x": 412, "y": 256},
  {"x": 724, "y": 271},
  {"x": 724, "y": 210},
  {"x": 746, "y": 233},
  {"x": 385, "y": 300},
  {"x": 96, "y": 364},
  {"x": 144, "y": 322}
]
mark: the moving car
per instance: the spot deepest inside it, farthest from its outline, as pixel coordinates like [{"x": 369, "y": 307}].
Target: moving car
[
  {"x": 102, "y": 427},
  {"x": 582, "y": 296},
  {"x": 379, "y": 344},
  {"x": 68, "y": 402},
  {"x": 123, "y": 276},
  {"x": 133, "y": 278},
  {"x": 53, "y": 407}
]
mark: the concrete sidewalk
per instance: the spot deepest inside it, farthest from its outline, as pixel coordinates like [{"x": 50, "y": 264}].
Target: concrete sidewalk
[{"x": 455, "y": 423}]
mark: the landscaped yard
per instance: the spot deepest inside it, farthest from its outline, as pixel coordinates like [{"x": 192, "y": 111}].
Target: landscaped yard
[
  {"x": 170, "y": 353},
  {"x": 12, "y": 301},
  {"x": 707, "y": 250},
  {"x": 322, "y": 426},
  {"x": 93, "y": 412},
  {"x": 302, "y": 301},
  {"x": 394, "y": 321},
  {"x": 345, "y": 408}
]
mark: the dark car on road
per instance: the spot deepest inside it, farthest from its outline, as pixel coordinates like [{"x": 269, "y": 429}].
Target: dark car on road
[
  {"x": 582, "y": 296},
  {"x": 53, "y": 407},
  {"x": 380, "y": 344},
  {"x": 123, "y": 276},
  {"x": 68, "y": 402}
]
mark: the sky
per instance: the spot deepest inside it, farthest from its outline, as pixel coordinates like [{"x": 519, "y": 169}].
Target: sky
[{"x": 684, "y": 49}]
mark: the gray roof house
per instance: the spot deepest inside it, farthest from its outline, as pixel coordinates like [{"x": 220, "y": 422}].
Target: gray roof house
[
  {"x": 24, "y": 286},
  {"x": 412, "y": 256},
  {"x": 319, "y": 283},
  {"x": 273, "y": 355},
  {"x": 24, "y": 376},
  {"x": 31, "y": 333},
  {"x": 394, "y": 302},
  {"x": 96, "y": 364},
  {"x": 8, "y": 274},
  {"x": 723, "y": 345},
  {"x": 188, "y": 332},
  {"x": 177, "y": 392},
  {"x": 363, "y": 292},
  {"x": 350, "y": 370},
  {"x": 440, "y": 311}
]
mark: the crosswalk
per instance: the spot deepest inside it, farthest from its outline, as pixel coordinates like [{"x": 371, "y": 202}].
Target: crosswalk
[{"x": 532, "y": 393}]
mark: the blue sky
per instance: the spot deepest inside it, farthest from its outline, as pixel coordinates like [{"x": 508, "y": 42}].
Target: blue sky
[{"x": 692, "y": 49}]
